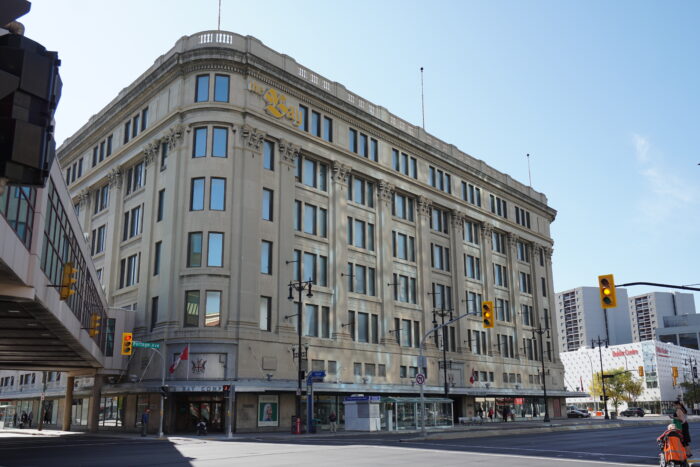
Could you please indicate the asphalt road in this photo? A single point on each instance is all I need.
(618, 446)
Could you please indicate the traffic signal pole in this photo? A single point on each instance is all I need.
(421, 364)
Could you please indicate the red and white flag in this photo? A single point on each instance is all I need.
(184, 355)
(471, 378)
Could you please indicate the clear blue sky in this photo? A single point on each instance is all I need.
(605, 96)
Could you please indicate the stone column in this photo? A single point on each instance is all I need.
(248, 167)
(68, 405)
(94, 408)
(458, 276)
(110, 274)
(514, 289)
(288, 153)
(385, 260)
(338, 255)
(423, 255)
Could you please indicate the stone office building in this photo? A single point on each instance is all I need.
(227, 170)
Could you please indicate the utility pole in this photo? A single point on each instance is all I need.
(600, 343)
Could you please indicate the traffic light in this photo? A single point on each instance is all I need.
(127, 343)
(674, 371)
(94, 324)
(227, 390)
(641, 371)
(487, 314)
(68, 281)
(606, 286)
(164, 390)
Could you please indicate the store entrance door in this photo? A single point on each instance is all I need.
(193, 409)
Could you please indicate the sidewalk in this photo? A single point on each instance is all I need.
(459, 431)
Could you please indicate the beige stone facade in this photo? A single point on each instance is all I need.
(386, 220)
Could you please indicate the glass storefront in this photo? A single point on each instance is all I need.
(406, 412)
(191, 409)
(112, 411)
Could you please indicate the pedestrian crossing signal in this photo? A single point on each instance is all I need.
(127, 343)
(487, 314)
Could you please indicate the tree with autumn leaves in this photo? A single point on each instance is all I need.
(620, 385)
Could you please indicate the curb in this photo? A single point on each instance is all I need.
(528, 430)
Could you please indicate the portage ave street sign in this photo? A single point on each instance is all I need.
(147, 345)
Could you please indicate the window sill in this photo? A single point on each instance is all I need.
(130, 240)
(134, 193)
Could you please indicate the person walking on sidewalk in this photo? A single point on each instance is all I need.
(491, 414)
(681, 415)
(332, 418)
(145, 417)
(506, 413)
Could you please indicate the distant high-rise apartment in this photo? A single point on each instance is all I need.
(648, 310)
(581, 319)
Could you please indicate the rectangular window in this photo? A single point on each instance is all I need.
(498, 242)
(351, 324)
(362, 148)
(373, 150)
(217, 194)
(135, 126)
(310, 221)
(129, 271)
(221, 88)
(266, 313)
(144, 118)
(311, 173)
(439, 220)
(543, 286)
(439, 179)
(523, 251)
(192, 308)
(127, 131)
(194, 250)
(202, 89)
(526, 313)
(199, 146)
(109, 146)
(404, 246)
(219, 147)
(325, 322)
(352, 140)
(499, 206)
(403, 207)
(328, 129)
(156, 259)
(265, 257)
(472, 267)
(267, 199)
(360, 191)
(215, 250)
(304, 111)
(161, 205)
(315, 123)
(269, 155)
(500, 275)
(212, 311)
(471, 194)
(440, 257)
(525, 282)
(154, 312)
(98, 240)
(522, 217)
(503, 310)
(101, 198)
(362, 327)
(197, 194)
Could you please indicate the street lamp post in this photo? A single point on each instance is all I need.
(600, 343)
(299, 286)
(539, 331)
(442, 313)
(692, 363)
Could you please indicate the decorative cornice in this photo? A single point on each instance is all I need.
(253, 137)
(424, 206)
(486, 231)
(84, 198)
(150, 151)
(288, 151)
(340, 172)
(173, 136)
(386, 192)
(114, 177)
(457, 220)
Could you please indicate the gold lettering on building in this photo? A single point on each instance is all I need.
(276, 103)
